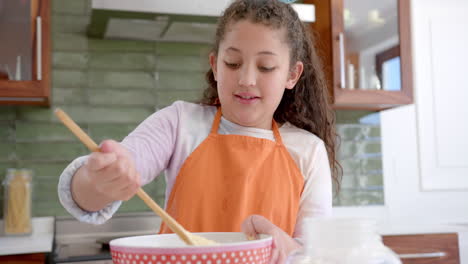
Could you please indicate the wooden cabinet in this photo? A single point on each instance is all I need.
(365, 47)
(425, 248)
(36, 258)
(25, 52)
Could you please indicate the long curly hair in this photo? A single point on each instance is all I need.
(307, 105)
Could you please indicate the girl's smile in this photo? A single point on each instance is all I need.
(247, 98)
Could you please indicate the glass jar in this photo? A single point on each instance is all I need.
(342, 241)
(17, 202)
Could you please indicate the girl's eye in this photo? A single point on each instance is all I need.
(232, 65)
(266, 69)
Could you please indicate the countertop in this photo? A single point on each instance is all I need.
(39, 241)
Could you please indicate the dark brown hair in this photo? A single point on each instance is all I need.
(307, 105)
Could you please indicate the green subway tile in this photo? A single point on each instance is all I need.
(135, 204)
(69, 78)
(99, 132)
(351, 166)
(169, 80)
(7, 112)
(69, 23)
(84, 114)
(350, 116)
(121, 97)
(128, 80)
(166, 98)
(27, 131)
(182, 63)
(7, 131)
(370, 180)
(4, 165)
(31, 113)
(69, 42)
(69, 96)
(99, 114)
(119, 114)
(353, 197)
(182, 49)
(47, 170)
(113, 45)
(124, 61)
(50, 150)
(352, 132)
(70, 60)
(45, 188)
(7, 151)
(374, 132)
(75, 7)
(49, 208)
(370, 147)
(347, 149)
(370, 165)
(158, 186)
(349, 180)
(89, 114)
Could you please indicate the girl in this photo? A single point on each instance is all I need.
(254, 156)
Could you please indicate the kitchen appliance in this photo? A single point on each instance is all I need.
(78, 242)
(166, 21)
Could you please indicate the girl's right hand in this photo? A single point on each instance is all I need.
(108, 176)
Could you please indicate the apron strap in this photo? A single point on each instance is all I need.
(276, 133)
(217, 119)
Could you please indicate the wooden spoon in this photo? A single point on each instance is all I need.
(185, 235)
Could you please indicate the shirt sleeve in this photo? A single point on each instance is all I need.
(152, 143)
(66, 199)
(151, 146)
(316, 199)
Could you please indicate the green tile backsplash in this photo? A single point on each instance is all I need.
(109, 86)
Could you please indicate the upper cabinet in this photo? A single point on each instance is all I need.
(25, 52)
(365, 47)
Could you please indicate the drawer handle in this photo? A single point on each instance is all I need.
(423, 255)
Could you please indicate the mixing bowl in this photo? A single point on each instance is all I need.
(169, 249)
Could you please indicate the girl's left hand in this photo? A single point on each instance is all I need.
(283, 244)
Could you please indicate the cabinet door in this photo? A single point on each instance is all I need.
(442, 93)
(366, 50)
(425, 249)
(25, 52)
(37, 258)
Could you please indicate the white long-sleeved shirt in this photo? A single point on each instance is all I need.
(165, 139)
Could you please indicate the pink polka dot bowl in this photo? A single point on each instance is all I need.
(233, 248)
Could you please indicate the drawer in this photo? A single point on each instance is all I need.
(36, 258)
(425, 248)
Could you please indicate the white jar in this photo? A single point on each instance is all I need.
(342, 241)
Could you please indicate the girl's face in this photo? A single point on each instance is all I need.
(252, 71)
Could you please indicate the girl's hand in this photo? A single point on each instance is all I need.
(283, 244)
(111, 172)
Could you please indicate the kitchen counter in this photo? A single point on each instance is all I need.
(39, 241)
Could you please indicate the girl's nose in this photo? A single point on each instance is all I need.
(248, 77)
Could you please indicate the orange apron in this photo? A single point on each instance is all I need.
(229, 177)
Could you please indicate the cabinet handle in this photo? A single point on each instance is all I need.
(342, 60)
(423, 255)
(39, 47)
